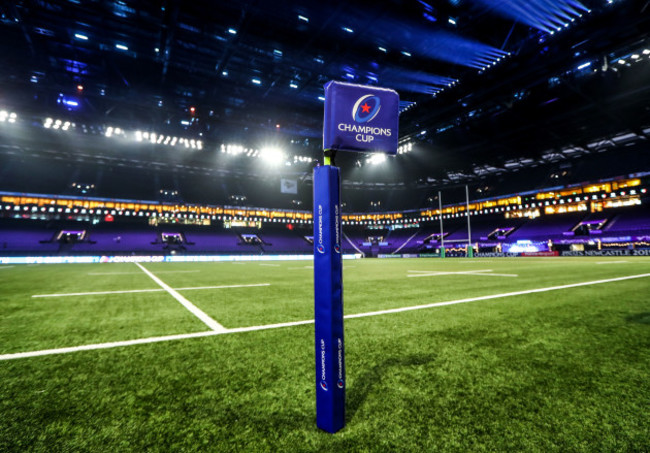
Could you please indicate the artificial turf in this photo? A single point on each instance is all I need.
(564, 370)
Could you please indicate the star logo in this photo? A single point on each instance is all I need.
(366, 108)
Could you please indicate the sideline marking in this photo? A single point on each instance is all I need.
(208, 321)
(250, 285)
(127, 273)
(482, 272)
(149, 290)
(611, 262)
(97, 293)
(5, 267)
(115, 344)
(271, 265)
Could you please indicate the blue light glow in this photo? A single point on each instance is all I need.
(545, 15)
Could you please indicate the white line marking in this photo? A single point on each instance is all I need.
(271, 265)
(268, 326)
(611, 262)
(483, 272)
(114, 344)
(497, 296)
(5, 267)
(177, 272)
(99, 293)
(224, 286)
(112, 273)
(89, 347)
(473, 261)
(127, 273)
(208, 321)
(95, 293)
(450, 272)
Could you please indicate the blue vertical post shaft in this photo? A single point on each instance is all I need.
(328, 300)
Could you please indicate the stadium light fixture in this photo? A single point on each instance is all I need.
(376, 159)
(121, 47)
(81, 37)
(271, 155)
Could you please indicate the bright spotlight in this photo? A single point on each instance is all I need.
(272, 155)
(376, 159)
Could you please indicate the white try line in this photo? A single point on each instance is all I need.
(611, 262)
(270, 265)
(90, 347)
(155, 290)
(5, 267)
(483, 272)
(127, 273)
(208, 321)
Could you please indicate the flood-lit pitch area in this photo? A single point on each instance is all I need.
(547, 354)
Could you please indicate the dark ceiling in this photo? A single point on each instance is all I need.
(486, 85)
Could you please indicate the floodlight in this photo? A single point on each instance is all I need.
(271, 155)
(376, 159)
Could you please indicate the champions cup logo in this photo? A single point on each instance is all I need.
(323, 374)
(339, 383)
(337, 248)
(366, 108)
(320, 247)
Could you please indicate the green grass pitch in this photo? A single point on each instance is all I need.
(561, 370)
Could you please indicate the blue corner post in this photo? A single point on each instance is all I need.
(328, 300)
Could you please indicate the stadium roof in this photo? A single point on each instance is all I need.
(486, 85)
